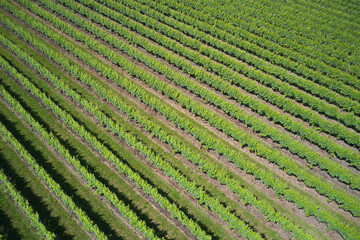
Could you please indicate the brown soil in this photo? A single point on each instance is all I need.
(148, 198)
(252, 67)
(320, 151)
(73, 216)
(188, 135)
(204, 124)
(219, 220)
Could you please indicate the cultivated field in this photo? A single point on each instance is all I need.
(182, 119)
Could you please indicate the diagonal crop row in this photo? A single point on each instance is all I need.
(303, 174)
(215, 227)
(214, 17)
(236, 157)
(237, 47)
(175, 212)
(326, 19)
(137, 145)
(177, 146)
(310, 62)
(333, 9)
(334, 169)
(7, 186)
(77, 98)
(264, 19)
(347, 10)
(324, 33)
(152, 21)
(285, 121)
(222, 148)
(310, 206)
(196, 192)
(329, 42)
(41, 173)
(325, 15)
(212, 226)
(101, 189)
(347, 118)
(257, 10)
(243, 17)
(145, 207)
(327, 22)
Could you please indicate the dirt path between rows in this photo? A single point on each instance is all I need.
(158, 172)
(74, 103)
(148, 198)
(245, 128)
(315, 148)
(294, 208)
(252, 67)
(73, 216)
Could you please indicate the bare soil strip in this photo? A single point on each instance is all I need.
(168, 101)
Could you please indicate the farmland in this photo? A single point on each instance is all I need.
(210, 119)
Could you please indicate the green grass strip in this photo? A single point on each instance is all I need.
(21, 201)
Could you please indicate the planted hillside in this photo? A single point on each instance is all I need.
(152, 119)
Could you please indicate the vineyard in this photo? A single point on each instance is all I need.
(183, 119)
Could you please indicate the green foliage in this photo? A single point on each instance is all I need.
(224, 87)
(311, 180)
(203, 32)
(99, 187)
(18, 198)
(260, 32)
(247, 197)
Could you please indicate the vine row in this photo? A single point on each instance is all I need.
(52, 140)
(233, 45)
(225, 88)
(223, 148)
(7, 186)
(256, 11)
(267, 210)
(196, 192)
(334, 169)
(307, 115)
(215, 16)
(255, 145)
(214, 26)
